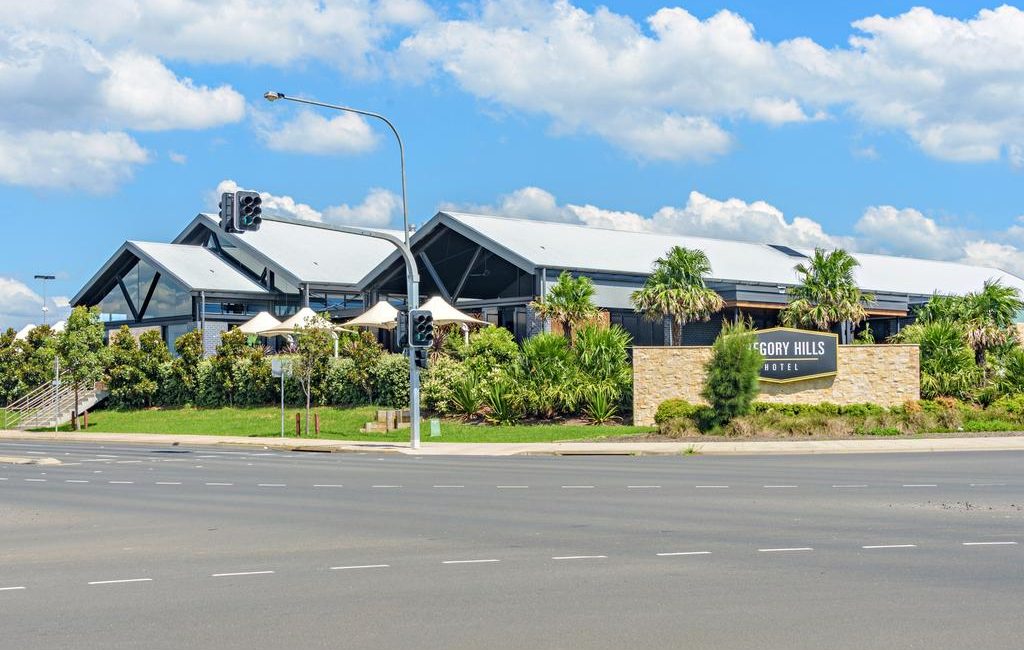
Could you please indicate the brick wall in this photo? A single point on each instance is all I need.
(888, 375)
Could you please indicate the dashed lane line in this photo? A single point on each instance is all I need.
(271, 485)
(779, 486)
(449, 486)
(851, 485)
(360, 566)
(921, 485)
(167, 483)
(987, 484)
(580, 557)
(328, 485)
(36, 480)
(73, 480)
(642, 487)
(469, 561)
(386, 486)
(785, 550)
(577, 487)
(117, 582)
(879, 546)
(219, 484)
(240, 573)
(12, 588)
(511, 487)
(990, 543)
(710, 486)
(121, 482)
(683, 553)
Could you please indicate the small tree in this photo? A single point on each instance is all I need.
(185, 368)
(570, 301)
(314, 345)
(80, 347)
(128, 384)
(827, 294)
(365, 351)
(36, 353)
(10, 362)
(676, 289)
(153, 356)
(731, 383)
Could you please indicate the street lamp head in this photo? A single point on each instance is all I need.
(273, 96)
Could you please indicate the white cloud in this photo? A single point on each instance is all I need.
(664, 90)
(378, 208)
(314, 133)
(20, 305)
(881, 229)
(95, 162)
(177, 158)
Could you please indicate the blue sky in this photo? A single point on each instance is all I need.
(749, 120)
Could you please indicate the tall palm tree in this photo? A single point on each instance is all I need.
(827, 294)
(987, 316)
(676, 288)
(570, 301)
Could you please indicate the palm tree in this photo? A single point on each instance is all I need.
(827, 294)
(570, 301)
(987, 316)
(676, 288)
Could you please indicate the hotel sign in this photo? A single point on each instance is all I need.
(793, 355)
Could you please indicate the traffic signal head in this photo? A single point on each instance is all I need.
(248, 211)
(422, 358)
(402, 330)
(421, 328)
(227, 211)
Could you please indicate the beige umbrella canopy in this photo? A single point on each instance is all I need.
(383, 315)
(23, 332)
(444, 313)
(304, 318)
(259, 323)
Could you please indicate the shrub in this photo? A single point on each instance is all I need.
(948, 365)
(547, 375)
(672, 409)
(129, 386)
(467, 398)
(365, 353)
(439, 383)
(504, 404)
(389, 379)
(599, 405)
(186, 368)
(861, 410)
(490, 350)
(341, 389)
(1011, 380)
(732, 373)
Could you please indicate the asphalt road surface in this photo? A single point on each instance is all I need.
(175, 547)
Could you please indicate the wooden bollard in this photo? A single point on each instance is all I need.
(298, 425)
(316, 424)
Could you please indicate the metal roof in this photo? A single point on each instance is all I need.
(546, 244)
(311, 254)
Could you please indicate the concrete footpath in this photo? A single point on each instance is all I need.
(711, 447)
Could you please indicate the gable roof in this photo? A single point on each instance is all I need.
(306, 254)
(533, 244)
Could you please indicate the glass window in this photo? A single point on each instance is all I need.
(113, 306)
(174, 331)
(169, 299)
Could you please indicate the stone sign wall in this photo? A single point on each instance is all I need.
(887, 375)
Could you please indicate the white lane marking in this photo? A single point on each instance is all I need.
(72, 480)
(205, 456)
(3, 478)
(684, 553)
(851, 485)
(784, 550)
(386, 486)
(468, 561)
(511, 487)
(920, 485)
(890, 546)
(117, 582)
(168, 483)
(987, 484)
(271, 485)
(220, 484)
(121, 482)
(780, 486)
(360, 566)
(36, 453)
(449, 486)
(579, 557)
(36, 480)
(711, 486)
(576, 487)
(11, 588)
(105, 456)
(990, 543)
(642, 487)
(121, 462)
(240, 573)
(328, 485)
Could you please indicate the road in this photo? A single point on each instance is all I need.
(173, 547)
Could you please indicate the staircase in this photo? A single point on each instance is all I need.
(45, 407)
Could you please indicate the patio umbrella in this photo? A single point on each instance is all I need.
(383, 316)
(305, 318)
(259, 323)
(23, 332)
(444, 313)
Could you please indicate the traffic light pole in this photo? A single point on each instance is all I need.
(412, 278)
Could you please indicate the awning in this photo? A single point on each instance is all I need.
(383, 315)
(259, 323)
(303, 319)
(23, 332)
(444, 313)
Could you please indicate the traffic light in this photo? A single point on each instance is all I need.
(248, 211)
(422, 357)
(402, 331)
(227, 211)
(421, 328)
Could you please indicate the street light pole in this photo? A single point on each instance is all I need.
(44, 278)
(412, 278)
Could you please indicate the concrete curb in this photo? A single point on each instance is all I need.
(21, 460)
(716, 447)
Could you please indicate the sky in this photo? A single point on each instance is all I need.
(874, 126)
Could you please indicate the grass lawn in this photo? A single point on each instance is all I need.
(335, 423)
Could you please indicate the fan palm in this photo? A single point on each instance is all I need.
(827, 293)
(987, 316)
(676, 289)
(570, 301)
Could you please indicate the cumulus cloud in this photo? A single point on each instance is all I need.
(378, 208)
(310, 132)
(20, 305)
(95, 162)
(881, 229)
(663, 90)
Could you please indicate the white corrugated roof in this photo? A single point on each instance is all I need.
(315, 255)
(572, 246)
(198, 268)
